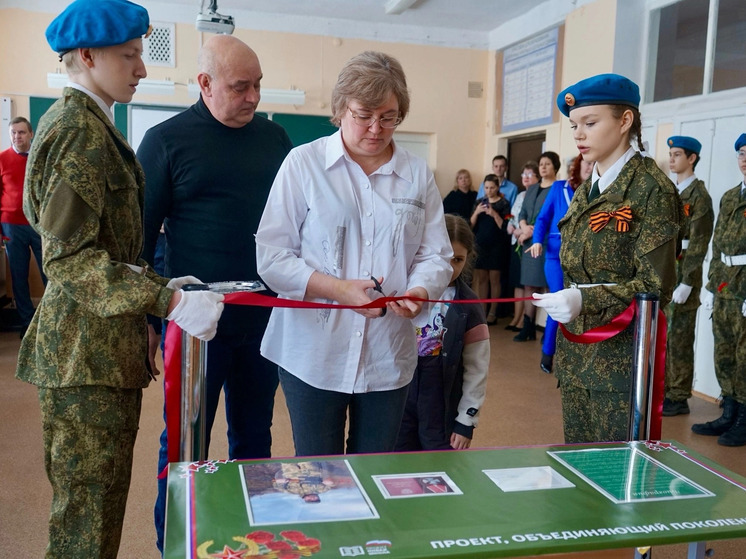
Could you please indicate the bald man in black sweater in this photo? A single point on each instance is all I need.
(208, 172)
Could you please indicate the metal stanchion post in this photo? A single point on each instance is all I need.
(643, 365)
(193, 431)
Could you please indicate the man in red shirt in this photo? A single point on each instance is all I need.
(18, 234)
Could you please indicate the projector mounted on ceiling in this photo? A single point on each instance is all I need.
(210, 21)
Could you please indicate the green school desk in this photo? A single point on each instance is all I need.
(507, 502)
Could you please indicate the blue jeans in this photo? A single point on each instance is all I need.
(22, 239)
(235, 366)
(318, 418)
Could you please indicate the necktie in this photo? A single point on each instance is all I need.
(594, 193)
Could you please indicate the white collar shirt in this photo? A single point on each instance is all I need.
(325, 214)
(612, 172)
(100, 102)
(681, 186)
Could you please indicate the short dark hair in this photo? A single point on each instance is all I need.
(688, 154)
(19, 119)
(500, 157)
(492, 178)
(553, 157)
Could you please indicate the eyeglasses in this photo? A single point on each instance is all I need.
(386, 121)
(527, 175)
(740, 154)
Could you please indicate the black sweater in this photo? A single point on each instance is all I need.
(208, 184)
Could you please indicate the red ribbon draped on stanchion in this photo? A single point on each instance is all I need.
(614, 327)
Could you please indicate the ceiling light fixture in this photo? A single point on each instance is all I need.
(395, 7)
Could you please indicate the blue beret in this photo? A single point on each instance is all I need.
(97, 23)
(604, 89)
(741, 141)
(684, 142)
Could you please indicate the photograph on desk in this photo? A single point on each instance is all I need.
(309, 491)
(403, 486)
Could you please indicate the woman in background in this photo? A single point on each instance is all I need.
(490, 225)
(546, 232)
(529, 177)
(460, 200)
(532, 269)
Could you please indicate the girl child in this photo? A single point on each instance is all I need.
(448, 386)
(461, 199)
(619, 238)
(490, 224)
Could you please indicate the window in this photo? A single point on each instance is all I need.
(730, 55)
(685, 60)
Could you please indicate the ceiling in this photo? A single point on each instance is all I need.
(465, 23)
(477, 24)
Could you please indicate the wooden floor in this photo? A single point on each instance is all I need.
(522, 408)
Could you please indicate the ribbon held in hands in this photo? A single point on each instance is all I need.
(623, 217)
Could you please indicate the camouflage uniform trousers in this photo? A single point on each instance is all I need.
(594, 415)
(680, 350)
(89, 436)
(729, 331)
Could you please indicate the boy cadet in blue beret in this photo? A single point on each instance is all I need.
(619, 238)
(86, 347)
(726, 298)
(683, 154)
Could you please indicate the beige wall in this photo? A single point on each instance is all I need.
(438, 79)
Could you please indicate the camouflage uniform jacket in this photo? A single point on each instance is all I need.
(641, 259)
(697, 229)
(729, 239)
(84, 195)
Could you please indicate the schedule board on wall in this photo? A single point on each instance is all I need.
(528, 82)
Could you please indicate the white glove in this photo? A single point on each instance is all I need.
(563, 306)
(178, 283)
(681, 293)
(708, 299)
(198, 312)
(743, 309)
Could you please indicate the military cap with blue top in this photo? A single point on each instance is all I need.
(741, 141)
(685, 142)
(604, 89)
(97, 23)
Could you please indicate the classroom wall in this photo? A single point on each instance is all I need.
(437, 77)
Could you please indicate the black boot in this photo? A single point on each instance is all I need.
(721, 424)
(546, 363)
(736, 435)
(528, 332)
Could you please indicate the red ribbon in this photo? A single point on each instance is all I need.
(172, 349)
(614, 327)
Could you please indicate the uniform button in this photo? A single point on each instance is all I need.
(369, 214)
(366, 274)
(358, 333)
(367, 243)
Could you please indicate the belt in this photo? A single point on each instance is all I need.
(586, 285)
(737, 260)
(685, 244)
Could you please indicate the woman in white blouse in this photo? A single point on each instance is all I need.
(342, 210)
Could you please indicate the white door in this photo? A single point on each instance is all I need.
(719, 170)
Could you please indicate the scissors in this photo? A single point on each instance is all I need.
(380, 290)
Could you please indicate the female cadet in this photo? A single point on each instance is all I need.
(619, 239)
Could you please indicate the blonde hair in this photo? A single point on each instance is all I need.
(370, 77)
(458, 174)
